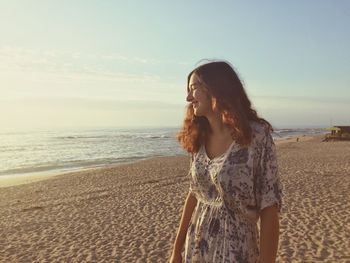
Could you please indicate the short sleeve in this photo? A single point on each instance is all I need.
(268, 186)
(191, 187)
(189, 175)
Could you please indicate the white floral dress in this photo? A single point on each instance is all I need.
(231, 190)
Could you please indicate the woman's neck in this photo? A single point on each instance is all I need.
(217, 127)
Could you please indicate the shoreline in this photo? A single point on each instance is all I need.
(20, 179)
(302, 138)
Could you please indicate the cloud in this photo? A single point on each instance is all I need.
(90, 104)
(28, 73)
(304, 99)
(303, 110)
(80, 64)
(30, 113)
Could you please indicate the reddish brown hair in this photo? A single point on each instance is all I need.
(232, 103)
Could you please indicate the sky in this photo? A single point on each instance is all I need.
(124, 63)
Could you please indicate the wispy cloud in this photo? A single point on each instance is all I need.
(78, 63)
(92, 104)
(305, 99)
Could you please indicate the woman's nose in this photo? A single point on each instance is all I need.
(189, 97)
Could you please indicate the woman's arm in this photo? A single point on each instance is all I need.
(189, 206)
(269, 234)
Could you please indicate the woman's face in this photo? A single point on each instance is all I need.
(199, 97)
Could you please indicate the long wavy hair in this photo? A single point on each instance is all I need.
(229, 99)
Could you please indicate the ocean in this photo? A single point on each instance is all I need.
(23, 153)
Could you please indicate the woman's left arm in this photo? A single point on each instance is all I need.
(269, 234)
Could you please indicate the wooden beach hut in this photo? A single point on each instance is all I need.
(338, 133)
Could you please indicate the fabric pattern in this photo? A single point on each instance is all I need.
(231, 190)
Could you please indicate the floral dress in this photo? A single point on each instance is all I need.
(231, 190)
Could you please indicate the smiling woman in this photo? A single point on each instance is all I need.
(215, 87)
(233, 173)
(198, 95)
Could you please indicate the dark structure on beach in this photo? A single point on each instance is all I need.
(338, 133)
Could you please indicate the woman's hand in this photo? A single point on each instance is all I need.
(190, 204)
(175, 257)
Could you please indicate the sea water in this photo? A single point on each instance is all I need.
(48, 151)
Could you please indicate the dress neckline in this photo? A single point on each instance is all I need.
(221, 155)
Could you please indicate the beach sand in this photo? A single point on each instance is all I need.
(130, 213)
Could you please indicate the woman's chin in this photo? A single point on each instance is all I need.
(197, 113)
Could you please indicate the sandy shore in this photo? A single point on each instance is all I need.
(130, 213)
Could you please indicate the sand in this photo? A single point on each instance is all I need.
(130, 213)
(11, 180)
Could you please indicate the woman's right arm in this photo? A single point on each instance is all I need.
(189, 206)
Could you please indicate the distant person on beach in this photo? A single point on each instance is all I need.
(233, 174)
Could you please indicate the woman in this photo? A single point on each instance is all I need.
(233, 174)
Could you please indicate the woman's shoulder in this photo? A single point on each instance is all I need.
(260, 131)
(259, 127)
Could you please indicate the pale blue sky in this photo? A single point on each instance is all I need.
(124, 63)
